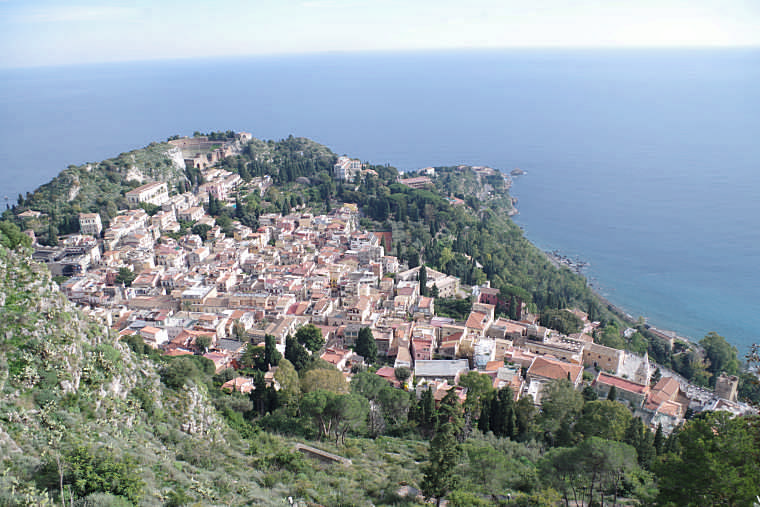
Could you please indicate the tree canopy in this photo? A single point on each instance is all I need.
(366, 345)
(310, 336)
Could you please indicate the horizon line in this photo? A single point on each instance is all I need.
(348, 52)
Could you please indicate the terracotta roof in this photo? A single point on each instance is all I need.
(241, 384)
(621, 383)
(494, 365)
(554, 369)
(477, 320)
(668, 386)
(671, 408)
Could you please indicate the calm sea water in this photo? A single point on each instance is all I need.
(644, 163)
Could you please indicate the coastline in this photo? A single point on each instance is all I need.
(578, 267)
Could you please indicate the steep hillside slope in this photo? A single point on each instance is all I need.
(78, 408)
(82, 414)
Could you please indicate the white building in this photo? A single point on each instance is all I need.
(346, 168)
(89, 223)
(153, 193)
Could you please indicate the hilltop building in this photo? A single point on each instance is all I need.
(153, 193)
(345, 169)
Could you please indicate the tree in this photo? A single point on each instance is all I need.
(525, 414)
(588, 471)
(366, 345)
(722, 356)
(610, 337)
(90, 470)
(254, 357)
(203, 343)
(605, 419)
(426, 413)
(272, 356)
(640, 438)
(503, 420)
(369, 385)
(589, 394)
(439, 477)
(395, 405)
(719, 459)
(402, 373)
(296, 353)
(201, 230)
(52, 235)
(324, 379)
(335, 414)
(126, 276)
(11, 236)
(290, 385)
(178, 371)
(659, 440)
(310, 336)
(559, 401)
(479, 388)
(562, 320)
(423, 281)
(612, 393)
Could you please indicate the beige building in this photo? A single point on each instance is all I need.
(604, 358)
(726, 386)
(89, 223)
(153, 193)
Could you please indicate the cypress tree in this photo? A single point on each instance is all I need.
(423, 281)
(659, 440)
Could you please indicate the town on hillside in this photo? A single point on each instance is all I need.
(214, 294)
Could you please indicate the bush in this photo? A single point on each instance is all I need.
(178, 371)
(91, 471)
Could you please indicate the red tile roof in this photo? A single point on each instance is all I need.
(621, 383)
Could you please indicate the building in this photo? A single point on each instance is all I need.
(448, 370)
(191, 214)
(345, 169)
(633, 393)
(545, 369)
(153, 193)
(89, 223)
(417, 183)
(726, 387)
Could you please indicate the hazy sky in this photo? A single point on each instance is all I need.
(53, 32)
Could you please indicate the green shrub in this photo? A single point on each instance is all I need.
(178, 371)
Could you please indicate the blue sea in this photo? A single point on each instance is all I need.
(644, 163)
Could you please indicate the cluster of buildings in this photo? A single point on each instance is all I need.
(201, 152)
(214, 297)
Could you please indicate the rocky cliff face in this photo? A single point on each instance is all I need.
(67, 384)
(175, 155)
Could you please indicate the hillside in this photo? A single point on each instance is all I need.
(100, 187)
(74, 401)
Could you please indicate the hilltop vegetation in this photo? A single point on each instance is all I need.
(100, 187)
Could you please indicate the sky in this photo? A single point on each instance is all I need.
(57, 32)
